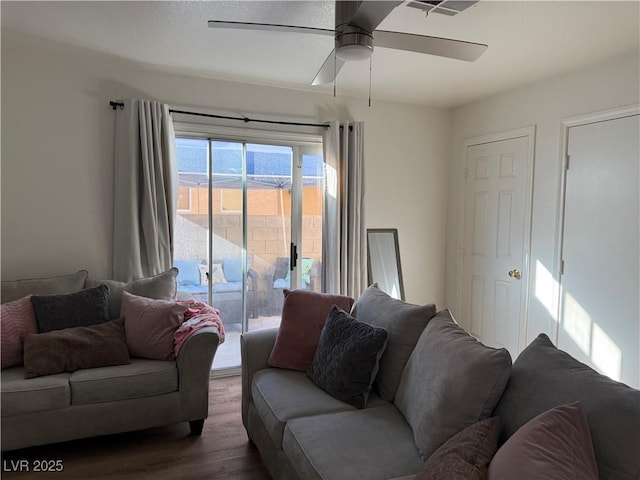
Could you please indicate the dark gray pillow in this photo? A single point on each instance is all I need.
(544, 377)
(81, 309)
(404, 322)
(451, 381)
(160, 287)
(346, 360)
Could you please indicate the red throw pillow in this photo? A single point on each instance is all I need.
(555, 445)
(17, 319)
(150, 324)
(303, 316)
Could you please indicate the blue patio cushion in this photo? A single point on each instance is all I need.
(232, 267)
(282, 283)
(188, 271)
(227, 287)
(194, 289)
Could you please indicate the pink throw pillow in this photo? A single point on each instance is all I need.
(17, 320)
(555, 445)
(149, 325)
(303, 315)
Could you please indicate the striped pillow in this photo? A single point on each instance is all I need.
(17, 319)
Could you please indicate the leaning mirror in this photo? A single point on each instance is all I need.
(383, 261)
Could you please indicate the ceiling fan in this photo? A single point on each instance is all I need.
(356, 35)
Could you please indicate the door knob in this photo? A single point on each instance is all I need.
(515, 273)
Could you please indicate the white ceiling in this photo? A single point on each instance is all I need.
(528, 41)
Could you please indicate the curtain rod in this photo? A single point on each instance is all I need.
(115, 105)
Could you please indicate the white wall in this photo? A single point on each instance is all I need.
(601, 87)
(57, 157)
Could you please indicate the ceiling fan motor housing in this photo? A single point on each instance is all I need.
(353, 43)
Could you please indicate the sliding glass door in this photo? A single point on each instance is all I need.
(249, 226)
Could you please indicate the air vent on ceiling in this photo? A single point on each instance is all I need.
(446, 7)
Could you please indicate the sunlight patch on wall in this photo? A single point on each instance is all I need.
(577, 323)
(606, 355)
(546, 290)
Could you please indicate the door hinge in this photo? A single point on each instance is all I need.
(566, 161)
(561, 267)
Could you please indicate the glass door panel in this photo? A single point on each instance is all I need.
(227, 261)
(310, 266)
(268, 230)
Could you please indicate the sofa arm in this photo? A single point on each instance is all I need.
(255, 348)
(194, 371)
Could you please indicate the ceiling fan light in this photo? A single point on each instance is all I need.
(351, 53)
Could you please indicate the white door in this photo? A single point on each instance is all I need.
(600, 310)
(496, 240)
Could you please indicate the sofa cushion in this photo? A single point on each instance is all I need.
(227, 287)
(14, 289)
(161, 286)
(466, 455)
(150, 324)
(346, 361)
(451, 381)
(404, 322)
(342, 445)
(188, 271)
(544, 377)
(302, 398)
(17, 319)
(21, 396)
(232, 267)
(303, 315)
(555, 445)
(71, 349)
(141, 378)
(80, 309)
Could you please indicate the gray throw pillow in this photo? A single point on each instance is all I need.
(14, 289)
(81, 309)
(404, 322)
(544, 377)
(451, 381)
(160, 287)
(346, 361)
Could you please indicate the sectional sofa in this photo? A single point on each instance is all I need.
(433, 384)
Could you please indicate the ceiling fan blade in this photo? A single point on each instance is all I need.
(329, 70)
(442, 47)
(270, 27)
(369, 14)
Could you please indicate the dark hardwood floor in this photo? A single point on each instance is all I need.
(221, 452)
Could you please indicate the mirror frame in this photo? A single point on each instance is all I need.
(394, 232)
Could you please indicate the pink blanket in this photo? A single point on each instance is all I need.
(197, 316)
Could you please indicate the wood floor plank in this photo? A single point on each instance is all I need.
(221, 452)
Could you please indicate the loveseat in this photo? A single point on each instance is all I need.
(433, 388)
(137, 394)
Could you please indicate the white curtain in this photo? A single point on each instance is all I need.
(343, 251)
(145, 193)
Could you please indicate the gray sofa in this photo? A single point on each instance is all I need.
(302, 432)
(106, 400)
